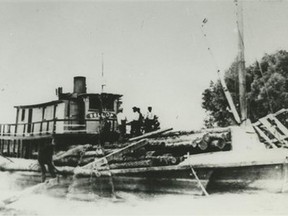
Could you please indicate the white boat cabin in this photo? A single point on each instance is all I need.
(72, 115)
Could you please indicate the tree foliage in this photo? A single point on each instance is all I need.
(266, 85)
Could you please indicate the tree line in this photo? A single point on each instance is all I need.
(266, 86)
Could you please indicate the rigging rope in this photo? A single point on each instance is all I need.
(208, 44)
(221, 78)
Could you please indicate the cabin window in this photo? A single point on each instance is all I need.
(94, 102)
(23, 115)
(108, 103)
(43, 113)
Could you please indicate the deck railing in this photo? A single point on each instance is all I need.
(54, 126)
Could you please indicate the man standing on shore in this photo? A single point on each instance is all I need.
(45, 157)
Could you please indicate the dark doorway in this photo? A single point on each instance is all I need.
(29, 121)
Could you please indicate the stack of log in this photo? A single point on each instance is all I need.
(145, 159)
(138, 158)
(193, 142)
(80, 155)
(165, 150)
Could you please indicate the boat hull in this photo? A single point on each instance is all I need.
(268, 177)
(173, 179)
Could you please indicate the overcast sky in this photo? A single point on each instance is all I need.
(154, 52)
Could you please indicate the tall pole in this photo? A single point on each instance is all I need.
(103, 82)
(241, 62)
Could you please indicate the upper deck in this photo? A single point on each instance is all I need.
(72, 113)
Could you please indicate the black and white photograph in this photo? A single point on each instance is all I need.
(125, 107)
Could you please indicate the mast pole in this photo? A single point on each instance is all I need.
(241, 62)
(103, 83)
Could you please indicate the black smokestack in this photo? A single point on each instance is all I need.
(79, 85)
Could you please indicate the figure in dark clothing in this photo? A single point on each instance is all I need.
(135, 122)
(105, 126)
(45, 155)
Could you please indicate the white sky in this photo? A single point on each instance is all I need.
(154, 52)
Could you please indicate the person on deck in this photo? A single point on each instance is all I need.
(121, 120)
(149, 120)
(135, 122)
(104, 132)
(45, 155)
(140, 123)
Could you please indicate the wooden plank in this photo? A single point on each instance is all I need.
(272, 130)
(25, 138)
(263, 135)
(280, 111)
(280, 126)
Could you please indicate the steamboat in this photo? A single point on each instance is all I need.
(242, 157)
